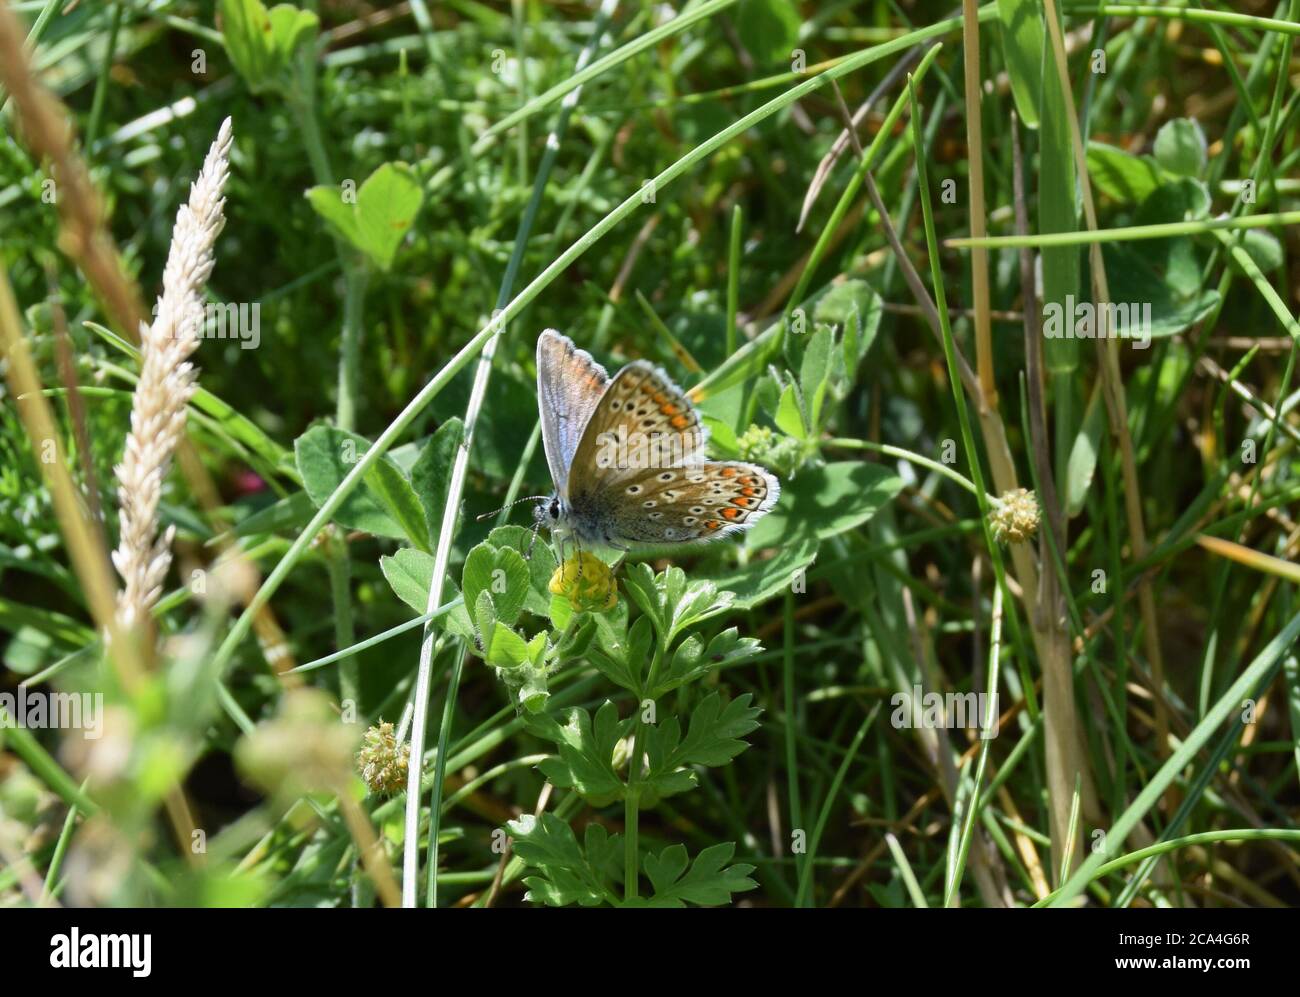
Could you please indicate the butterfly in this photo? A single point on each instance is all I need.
(627, 457)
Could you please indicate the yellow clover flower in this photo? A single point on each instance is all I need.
(586, 581)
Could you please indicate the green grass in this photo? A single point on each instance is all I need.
(637, 183)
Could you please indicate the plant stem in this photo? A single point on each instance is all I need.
(439, 773)
(355, 279)
(979, 256)
(912, 458)
(631, 816)
(733, 279)
(632, 799)
(339, 567)
(791, 751)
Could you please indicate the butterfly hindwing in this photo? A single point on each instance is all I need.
(693, 502)
(570, 385)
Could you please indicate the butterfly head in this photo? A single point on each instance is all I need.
(548, 512)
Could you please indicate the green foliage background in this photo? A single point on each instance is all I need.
(873, 574)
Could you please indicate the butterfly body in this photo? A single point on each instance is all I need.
(627, 457)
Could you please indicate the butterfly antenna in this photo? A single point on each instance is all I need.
(511, 505)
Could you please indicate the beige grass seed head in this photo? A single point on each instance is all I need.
(167, 382)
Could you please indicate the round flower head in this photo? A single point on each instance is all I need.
(383, 764)
(586, 581)
(1015, 519)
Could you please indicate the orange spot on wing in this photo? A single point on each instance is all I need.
(728, 472)
(747, 491)
(742, 502)
(669, 409)
(712, 524)
(730, 513)
(680, 421)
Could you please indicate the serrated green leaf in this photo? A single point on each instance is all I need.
(671, 602)
(262, 44)
(789, 413)
(560, 612)
(503, 647)
(625, 662)
(825, 501)
(713, 737)
(540, 560)
(410, 572)
(501, 573)
(855, 307)
(385, 505)
(385, 208)
(708, 882)
(585, 759)
(814, 372)
(692, 660)
(757, 581)
(431, 472)
(640, 583)
(548, 845)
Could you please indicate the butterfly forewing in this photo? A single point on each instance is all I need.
(570, 385)
(643, 421)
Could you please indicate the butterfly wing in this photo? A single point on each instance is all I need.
(570, 385)
(643, 420)
(694, 502)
